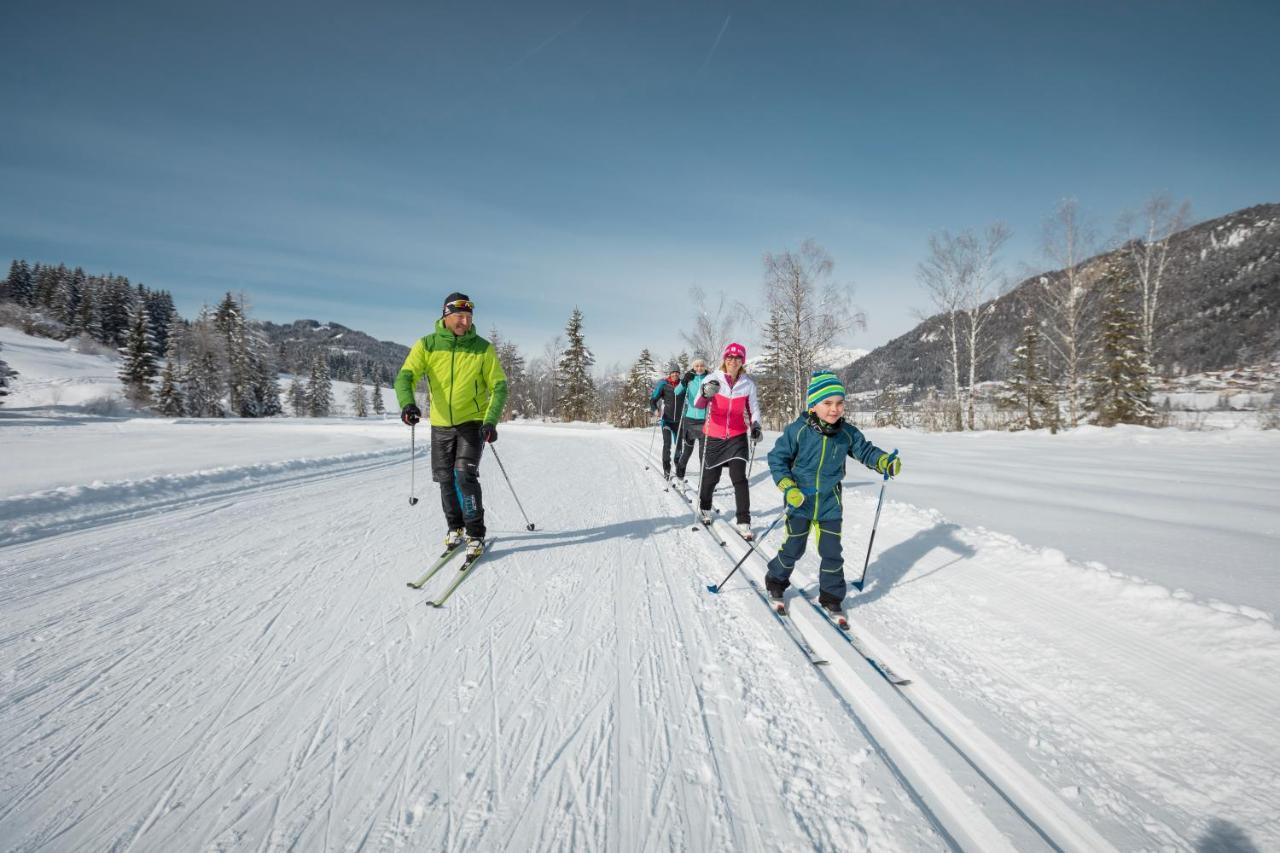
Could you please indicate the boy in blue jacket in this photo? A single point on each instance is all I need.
(807, 463)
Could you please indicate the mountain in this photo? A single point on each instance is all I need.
(349, 352)
(1219, 308)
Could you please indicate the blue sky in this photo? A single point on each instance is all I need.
(356, 162)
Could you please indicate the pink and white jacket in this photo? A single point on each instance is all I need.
(732, 409)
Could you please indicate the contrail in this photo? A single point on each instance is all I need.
(547, 41)
(716, 44)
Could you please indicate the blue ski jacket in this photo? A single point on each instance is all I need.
(692, 412)
(816, 461)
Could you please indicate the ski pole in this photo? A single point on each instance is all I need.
(528, 525)
(875, 523)
(413, 464)
(702, 472)
(716, 587)
(654, 433)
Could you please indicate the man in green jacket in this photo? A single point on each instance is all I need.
(468, 390)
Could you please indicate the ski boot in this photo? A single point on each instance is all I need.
(704, 515)
(453, 539)
(836, 614)
(777, 599)
(744, 530)
(475, 547)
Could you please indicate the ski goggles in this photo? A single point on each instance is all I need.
(459, 305)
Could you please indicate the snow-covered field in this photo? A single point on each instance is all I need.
(207, 643)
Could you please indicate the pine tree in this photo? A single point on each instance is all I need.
(298, 398)
(632, 409)
(230, 321)
(87, 321)
(161, 310)
(773, 380)
(1120, 385)
(1028, 394)
(319, 389)
(378, 406)
(206, 368)
(359, 399)
(115, 304)
(139, 365)
(5, 373)
(576, 400)
(169, 400)
(519, 390)
(20, 285)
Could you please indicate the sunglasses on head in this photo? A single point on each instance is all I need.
(461, 305)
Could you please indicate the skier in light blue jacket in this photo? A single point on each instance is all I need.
(691, 427)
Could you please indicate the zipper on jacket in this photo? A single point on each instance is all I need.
(817, 480)
(453, 358)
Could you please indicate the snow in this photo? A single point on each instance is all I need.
(208, 644)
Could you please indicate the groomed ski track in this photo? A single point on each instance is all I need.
(246, 670)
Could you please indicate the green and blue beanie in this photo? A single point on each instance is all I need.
(823, 384)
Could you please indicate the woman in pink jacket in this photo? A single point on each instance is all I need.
(733, 411)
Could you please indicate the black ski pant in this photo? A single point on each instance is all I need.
(668, 439)
(690, 433)
(728, 453)
(455, 465)
(831, 583)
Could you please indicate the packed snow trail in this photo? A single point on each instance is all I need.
(1151, 713)
(252, 673)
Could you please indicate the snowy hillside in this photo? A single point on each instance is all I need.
(53, 377)
(208, 644)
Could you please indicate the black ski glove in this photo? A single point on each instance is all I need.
(710, 388)
(756, 432)
(688, 377)
(411, 414)
(489, 433)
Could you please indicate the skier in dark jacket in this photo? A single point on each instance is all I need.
(666, 400)
(807, 463)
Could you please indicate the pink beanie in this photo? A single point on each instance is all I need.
(735, 349)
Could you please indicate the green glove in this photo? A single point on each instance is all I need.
(791, 493)
(882, 464)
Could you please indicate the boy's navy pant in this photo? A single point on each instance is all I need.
(830, 570)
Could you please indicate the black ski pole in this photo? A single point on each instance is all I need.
(528, 525)
(413, 464)
(874, 524)
(716, 587)
(654, 432)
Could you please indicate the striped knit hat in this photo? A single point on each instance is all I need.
(823, 384)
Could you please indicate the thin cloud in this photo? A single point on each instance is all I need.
(706, 62)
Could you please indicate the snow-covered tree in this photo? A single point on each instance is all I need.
(1028, 392)
(230, 321)
(577, 393)
(139, 365)
(632, 405)
(520, 401)
(169, 400)
(298, 398)
(204, 377)
(20, 285)
(319, 388)
(376, 393)
(1120, 385)
(6, 372)
(359, 399)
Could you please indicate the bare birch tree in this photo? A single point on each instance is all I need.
(712, 327)
(984, 280)
(1146, 236)
(946, 274)
(1066, 298)
(812, 313)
